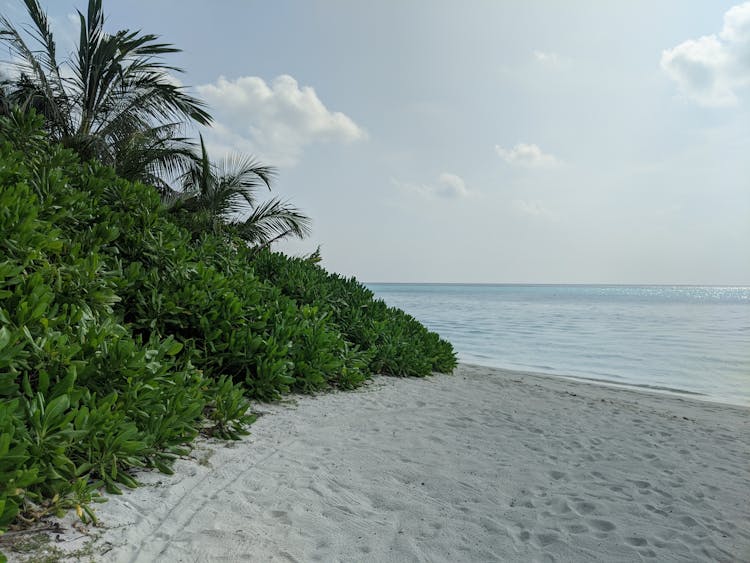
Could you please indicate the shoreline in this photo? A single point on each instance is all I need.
(486, 464)
(638, 387)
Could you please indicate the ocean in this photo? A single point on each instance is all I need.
(680, 339)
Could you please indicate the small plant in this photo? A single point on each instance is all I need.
(228, 411)
(15, 474)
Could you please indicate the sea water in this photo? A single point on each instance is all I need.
(694, 340)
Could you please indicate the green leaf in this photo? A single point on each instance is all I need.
(4, 337)
(174, 348)
(56, 409)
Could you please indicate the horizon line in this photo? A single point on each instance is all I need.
(573, 284)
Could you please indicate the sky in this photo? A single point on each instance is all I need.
(482, 141)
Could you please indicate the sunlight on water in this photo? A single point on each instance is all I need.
(695, 339)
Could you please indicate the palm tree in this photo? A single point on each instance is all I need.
(223, 197)
(153, 156)
(112, 99)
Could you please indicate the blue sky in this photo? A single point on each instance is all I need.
(535, 141)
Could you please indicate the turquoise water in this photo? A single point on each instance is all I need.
(687, 339)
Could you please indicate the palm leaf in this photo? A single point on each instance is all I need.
(147, 156)
(115, 96)
(30, 66)
(273, 220)
(226, 195)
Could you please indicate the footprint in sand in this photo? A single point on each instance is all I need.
(641, 484)
(577, 529)
(602, 525)
(282, 516)
(636, 542)
(585, 507)
(557, 475)
(688, 521)
(546, 539)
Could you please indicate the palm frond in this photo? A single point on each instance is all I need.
(43, 34)
(117, 90)
(32, 67)
(273, 220)
(152, 155)
(227, 193)
(246, 171)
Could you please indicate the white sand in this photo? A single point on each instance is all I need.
(484, 465)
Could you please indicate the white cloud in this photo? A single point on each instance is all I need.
(526, 154)
(712, 69)
(275, 121)
(448, 186)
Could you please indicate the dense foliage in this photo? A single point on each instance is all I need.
(82, 397)
(113, 98)
(133, 319)
(397, 343)
(122, 335)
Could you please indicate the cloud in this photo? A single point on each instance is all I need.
(447, 186)
(275, 121)
(712, 69)
(526, 154)
(450, 185)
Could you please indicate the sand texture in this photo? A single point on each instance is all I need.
(484, 465)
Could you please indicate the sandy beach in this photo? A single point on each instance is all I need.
(483, 465)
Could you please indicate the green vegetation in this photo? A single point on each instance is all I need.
(112, 99)
(396, 343)
(213, 197)
(130, 322)
(122, 335)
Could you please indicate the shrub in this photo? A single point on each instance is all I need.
(83, 398)
(395, 342)
(122, 336)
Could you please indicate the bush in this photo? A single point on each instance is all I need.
(83, 398)
(395, 342)
(122, 336)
